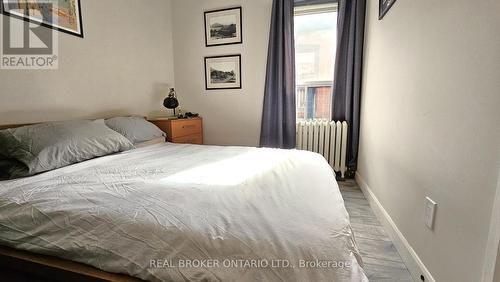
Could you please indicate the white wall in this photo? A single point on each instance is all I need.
(122, 66)
(231, 117)
(430, 125)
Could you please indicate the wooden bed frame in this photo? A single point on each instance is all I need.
(17, 265)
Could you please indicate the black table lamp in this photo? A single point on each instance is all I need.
(171, 101)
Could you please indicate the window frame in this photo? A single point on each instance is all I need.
(312, 10)
(315, 9)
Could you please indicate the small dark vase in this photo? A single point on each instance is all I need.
(171, 101)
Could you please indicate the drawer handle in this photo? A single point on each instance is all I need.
(189, 126)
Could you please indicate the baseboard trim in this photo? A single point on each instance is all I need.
(491, 256)
(409, 256)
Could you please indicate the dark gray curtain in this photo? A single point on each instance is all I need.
(348, 70)
(278, 116)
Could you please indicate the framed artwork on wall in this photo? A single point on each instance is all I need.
(223, 27)
(223, 72)
(64, 16)
(384, 6)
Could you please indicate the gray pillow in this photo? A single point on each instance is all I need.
(48, 146)
(136, 129)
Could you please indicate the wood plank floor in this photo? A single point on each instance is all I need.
(382, 262)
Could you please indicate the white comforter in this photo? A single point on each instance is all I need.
(189, 213)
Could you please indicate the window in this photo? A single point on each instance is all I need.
(315, 46)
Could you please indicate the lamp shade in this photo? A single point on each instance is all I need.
(170, 103)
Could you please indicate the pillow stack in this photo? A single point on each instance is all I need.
(33, 149)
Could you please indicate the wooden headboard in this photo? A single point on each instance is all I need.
(7, 126)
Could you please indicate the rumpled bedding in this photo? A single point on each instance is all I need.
(174, 212)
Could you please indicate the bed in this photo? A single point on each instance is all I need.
(174, 212)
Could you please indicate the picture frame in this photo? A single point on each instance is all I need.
(223, 72)
(384, 7)
(66, 18)
(223, 27)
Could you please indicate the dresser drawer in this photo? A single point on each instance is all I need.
(186, 127)
(190, 139)
(182, 130)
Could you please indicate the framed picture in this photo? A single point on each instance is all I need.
(223, 27)
(384, 6)
(223, 72)
(64, 16)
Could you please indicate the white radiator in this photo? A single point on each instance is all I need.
(328, 138)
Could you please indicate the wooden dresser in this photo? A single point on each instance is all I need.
(187, 131)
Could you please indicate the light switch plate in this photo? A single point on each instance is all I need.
(429, 212)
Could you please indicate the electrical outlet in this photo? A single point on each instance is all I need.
(429, 212)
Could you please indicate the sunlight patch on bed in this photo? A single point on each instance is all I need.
(231, 171)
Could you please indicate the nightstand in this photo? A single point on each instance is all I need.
(187, 131)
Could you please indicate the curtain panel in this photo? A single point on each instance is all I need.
(278, 116)
(348, 71)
